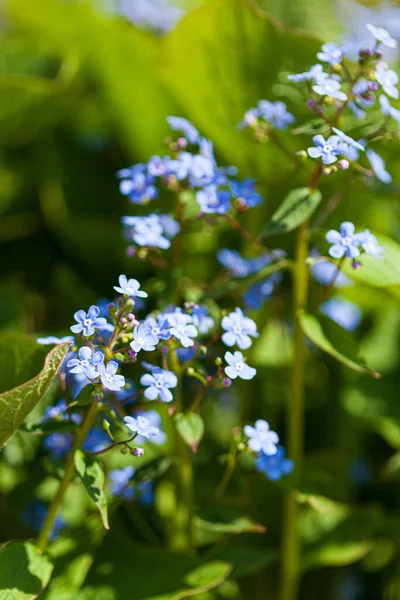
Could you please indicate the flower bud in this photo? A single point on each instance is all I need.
(131, 317)
(355, 265)
(372, 86)
(164, 350)
(241, 446)
(190, 371)
(123, 321)
(124, 450)
(137, 452)
(218, 361)
(302, 154)
(343, 164)
(203, 349)
(326, 171)
(130, 251)
(182, 143)
(143, 252)
(132, 354)
(226, 382)
(311, 104)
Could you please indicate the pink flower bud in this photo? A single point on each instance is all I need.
(343, 164)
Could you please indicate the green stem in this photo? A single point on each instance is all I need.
(295, 423)
(45, 533)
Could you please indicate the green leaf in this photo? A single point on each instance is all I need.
(24, 573)
(245, 560)
(234, 526)
(376, 272)
(21, 358)
(16, 404)
(297, 207)
(203, 578)
(191, 428)
(92, 476)
(51, 426)
(334, 340)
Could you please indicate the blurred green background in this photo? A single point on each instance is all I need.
(84, 91)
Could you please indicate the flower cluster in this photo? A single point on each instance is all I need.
(348, 244)
(270, 456)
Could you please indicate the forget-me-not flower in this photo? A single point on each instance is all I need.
(370, 244)
(151, 230)
(201, 319)
(343, 312)
(137, 184)
(237, 367)
(184, 126)
(96, 440)
(56, 411)
(275, 466)
(213, 201)
(388, 79)
(378, 166)
(109, 378)
(348, 140)
(87, 362)
(382, 36)
(159, 327)
(239, 266)
(119, 480)
(261, 438)
(182, 328)
(331, 53)
(129, 287)
(144, 339)
(35, 515)
(245, 192)
(275, 113)
(313, 74)
(141, 425)
(327, 150)
(158, 384)
(52, 339)
(58, 444)
(345, 243)
(88, 322)
(154, 420)
(238, 329)
(327, 86)
(388, 110)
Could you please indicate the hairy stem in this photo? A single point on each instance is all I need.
(45, 533)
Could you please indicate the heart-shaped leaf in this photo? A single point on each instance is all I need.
(92, 476)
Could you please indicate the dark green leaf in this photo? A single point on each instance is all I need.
(334, 340)
(16, 404)
(235, 526)
(297, 207)
(191, 428)
(92, 476)
(21, 358)
(24, 573)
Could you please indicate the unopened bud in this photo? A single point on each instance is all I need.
(355, 265)
(190, 371)
(123, 321)
(226, 382)
(182, 142)
(130, 251)
(372, 86)
(311, 103)
(143, 252)
(326, 171)
(218, 361)
(137, 452)
(241, 446)
(132, 354)
(124, 450)
(343, 164)
(164, 350)
(131, 317)
(302, 154)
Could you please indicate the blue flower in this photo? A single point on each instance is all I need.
(55, 412)
(108, 376)
(96, 440)
(345, 243)
(245, 193)
(120, 478)
(88, 322)
(313, 74)
(275, 113)
(35, 515)
(325, 272)
(58, 444)
(238, 330)
(183, 125)
(237, 366)
(382, 36)
(129, 287)
(327, 150)
(213, 201)
(370, 245)
(159, 166)
(154, 420)
(274, 466)
(201, 171)
(52, 339)
(142, 426)
(378, 166)
(331, 53)
(137, 184)
(241, 267)
(158, 384)
(159, 327)
(182, 328)
(261, 438)
(344, 313)
(327, 86)
(388, 110)
(201, 319)
(146, 494)
(144, 339)
(388, 79)
(348, 140)
(261, 291)
(152, 230)
(87, 363)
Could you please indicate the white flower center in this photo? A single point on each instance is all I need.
(84, 362)
(87, 322)
(346, 241)
(159, 384)
(239, 366)
(140, 340)
(327, 148)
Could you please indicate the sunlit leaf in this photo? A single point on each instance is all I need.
(24, 573)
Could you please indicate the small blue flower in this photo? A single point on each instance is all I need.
(388, 110)
(370, 245)
(182, 328)
(152, 230)
(108, 376)
(325, 272)
(58, 444)
(213, 201)
(237, 366)
(58, 411)
(144, 339)
(261, 438)
(159, 327)
(327, 150)
(52, 339)
(238, 330)
(261, 291)
(378, 166)
(245, 193)
(327, 86)
(155, 421)
(344, 313)
(275, 113)
(239, 266)
(87, 363)
(201, 319)
(137, 184)
(388, 79)
(183, 125)
(158, 384)
(129, 287)
(331, 53)
(35, 514)
(142, 426)
(88, 322)
(382, 36)
(345, 243)
(313, 74)
(119, 479)
(146, 494)
(96, 440)
(348, 140)
(274, 466)
(202, 171)
(159, 166)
